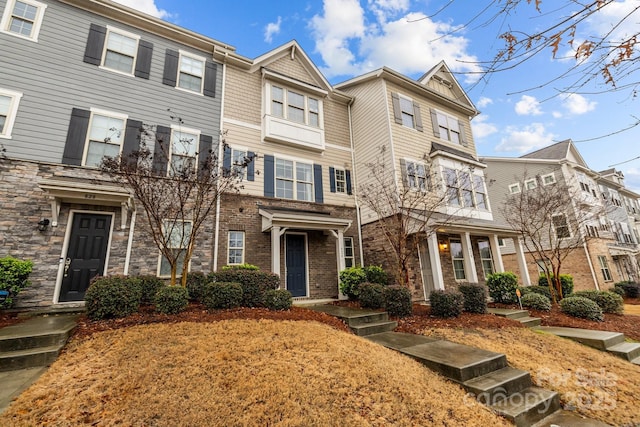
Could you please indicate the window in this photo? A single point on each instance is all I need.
(451, 181)
(548, 179)
(481, 195)
(530, 184)
(604, 267)
(23, 18)
(120, 51)
(485, 257)
(238, 158)
(407, 112)
(417, 175)
(9, 101)
(191, 72)
(561, 226)
(457, 257)
(349, 255)
(514, 188)
(341, 181)
(299, 108)
(586, 184)
(236, 248)
(105, 136)
(592, 231)
(501, 242)
(294, 180)
(177, 234)
(449, 128)
(465, 189)
(183, 150)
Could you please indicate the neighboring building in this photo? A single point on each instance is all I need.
(608, 240)
(424, 128)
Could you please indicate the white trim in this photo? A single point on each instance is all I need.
(181, 129)
(449, 116)
(242, 124)
(529, 181)
(515, 187)
(37, 22)
(104, 113)
(337, 147)
(244, 244)
(288, 81)
(112, 29)
(543, 177)
(335, 179)
(306, 261)
(65, 249)
(12, 113)
(353, 251)
(183, 53)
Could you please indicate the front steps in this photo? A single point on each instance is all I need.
(521, 316)
(361, 322)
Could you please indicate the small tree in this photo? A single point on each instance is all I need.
(177, 186)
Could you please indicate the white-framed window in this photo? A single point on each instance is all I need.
(449, 128)
(9, 101)
(105, 136)
(457, 259)
(176, 234)
(514, 188)
(586, 184)
(501, 242)
(349, 253)
(183, 153)
(464, 189)
(238, 156)
(561, 226)
(407, 112)
(548, 179)
(236, 248)
(23, 18)
(341, 180)
(294, 180)
(481, 192)
(530, 184)
(604, 267)
(451, 181)
(295, 106)
(485, 257)
(417, 175)
(120, 50)
(191, 72)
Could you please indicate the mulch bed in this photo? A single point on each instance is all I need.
(8, 319)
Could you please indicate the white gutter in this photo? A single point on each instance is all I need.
(354, 185)
(127, 258)
(216, 238)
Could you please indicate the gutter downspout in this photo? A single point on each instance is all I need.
(127, 258)
(593, 273)
(355, 184)
(216, 238)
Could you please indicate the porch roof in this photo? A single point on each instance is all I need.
(443, 224)
(303, 220)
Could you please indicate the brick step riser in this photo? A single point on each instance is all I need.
(464, 374)
(364, 330)
(14, 363)
(24, 343)
(371, 318)
(627, 355)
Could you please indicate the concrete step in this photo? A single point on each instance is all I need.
(529, 321)
(29, 358)
(568, 419)
(373, 328)
(37, 332)
(596, 339)
(498, 384)
(367, 318)
(15, 382)
(636, 361)
(509, 313)
(626, 350)
(528, 406)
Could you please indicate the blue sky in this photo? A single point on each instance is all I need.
(350, 37)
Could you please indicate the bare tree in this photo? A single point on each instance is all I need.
(554, 220)
(177, 186)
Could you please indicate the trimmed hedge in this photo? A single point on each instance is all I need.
(609, 302)
(111, 297)
(278, 299)
(171, 299)
(196, 282)
(446, 303)
(540, 290)
(536, 301)
(222, 295)
(244, 266)
(618, 290)
(631, 289)
(502, 287)
(149, 286)
(475, 298)
(376, 274)
(397, 301)
(371, 295)
(350, 279)
(566, 282)
(581, 307)
(254, 283)
(14, 277)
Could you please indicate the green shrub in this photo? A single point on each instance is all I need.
(244, 266)
(278, 299)
(149, 286)
(619, 290)
(631, 289)
(196, 282)
(171, 299)
(376, 274)
(14, 277)
(540, 290)
(371, 295)
(536, 301)
(592, 294)
(220, 295)
(609, 302)
(475, 298)
(581, 307)
(112, 297)
(254, 283)
(446, 303)
(502, 287)
(566, 282)
(350, 280)
(397, 301)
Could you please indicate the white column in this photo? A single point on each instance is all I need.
(469, 260)
(339, 235)
(436, 266)
(496, 254)
(522, 262)
(275, 250)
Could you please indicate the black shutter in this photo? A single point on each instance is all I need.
(397, 112)
(463, 138)
(131, 138)
(210, 78)
(417, 116)
(317, 183)
(434, 123)
(347, 174)
(170, 67)
(251, 166)
(269, 176)
(204, 153)
(95, 44)
(76, 137)
(226, 161)
(161, 150)
(143, 62)
(332, 179)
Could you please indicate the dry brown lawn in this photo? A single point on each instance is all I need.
(595, 383)
(240, 373)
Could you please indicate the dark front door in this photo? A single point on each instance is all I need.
(86, 254)
(296, 265)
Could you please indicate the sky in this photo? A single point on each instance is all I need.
(522, 109)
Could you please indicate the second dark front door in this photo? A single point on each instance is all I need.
(296, 265)
(86, 254)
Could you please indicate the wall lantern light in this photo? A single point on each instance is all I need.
(43, 224)
(443, 245)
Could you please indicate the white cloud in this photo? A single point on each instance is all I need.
(484, 101)
(632, 179)
(578, 104)
(528, 106)
(272, 29)
(482, 127)
(556, 114)
(524, 139)
(146, 6)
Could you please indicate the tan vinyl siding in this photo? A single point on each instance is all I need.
(441, 88)
(336, 123)
(243, 96)
(292, 68)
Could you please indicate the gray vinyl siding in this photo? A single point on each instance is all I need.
(54, 79)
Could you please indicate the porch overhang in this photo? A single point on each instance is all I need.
(619, 251)
(288, 219)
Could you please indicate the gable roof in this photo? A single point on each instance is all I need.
(442, 73)
(558, 151)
